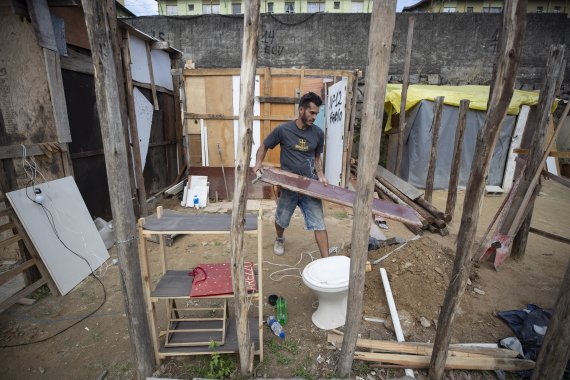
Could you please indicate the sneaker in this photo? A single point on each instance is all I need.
(279, 246)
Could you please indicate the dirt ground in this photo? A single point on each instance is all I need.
(419, 274)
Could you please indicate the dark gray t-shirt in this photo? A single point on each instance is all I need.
(298, 147)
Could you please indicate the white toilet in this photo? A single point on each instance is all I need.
(328, 278)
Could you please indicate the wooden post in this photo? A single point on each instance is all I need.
(136, 148)
(405, 84)
(151, 73)
(554, 74)
(246, 99)
(512, 34)
(436, 123)
(555, 350)
(456, 163)
(351, 126)
(99, 19)
(379, 44)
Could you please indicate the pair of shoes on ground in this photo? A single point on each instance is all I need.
(279, 246)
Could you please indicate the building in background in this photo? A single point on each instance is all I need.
(199, 7)
(474, 6)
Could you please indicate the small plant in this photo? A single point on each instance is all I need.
(122, 367)
(303, 372)
(341, 215)
(282, 359)
(219, 368)
(40, 293)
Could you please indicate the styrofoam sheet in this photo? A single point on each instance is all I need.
(144, 110)
(139, 61)
(73, 224)
(161, 69)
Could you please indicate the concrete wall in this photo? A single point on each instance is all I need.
(457, 48)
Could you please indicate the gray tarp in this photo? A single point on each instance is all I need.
(417, 146)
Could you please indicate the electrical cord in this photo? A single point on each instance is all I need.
(50, 219)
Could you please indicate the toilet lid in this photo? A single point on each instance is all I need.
(328, 272)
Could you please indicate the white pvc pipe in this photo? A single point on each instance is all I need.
(394, 313)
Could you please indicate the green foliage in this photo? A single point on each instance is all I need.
(341, 215)
(219, 368)
(40, 293)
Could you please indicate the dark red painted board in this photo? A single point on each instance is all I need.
(338, 195)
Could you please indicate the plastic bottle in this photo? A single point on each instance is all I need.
(281, 306)
(196, 201)
(276, 327)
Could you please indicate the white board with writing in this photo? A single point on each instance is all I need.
(334, 119)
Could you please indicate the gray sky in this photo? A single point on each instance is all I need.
(150, 7)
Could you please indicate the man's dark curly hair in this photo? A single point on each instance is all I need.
(310, 97)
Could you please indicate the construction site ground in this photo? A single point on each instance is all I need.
(419, 275)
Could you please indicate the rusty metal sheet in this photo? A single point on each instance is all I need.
(337, 195)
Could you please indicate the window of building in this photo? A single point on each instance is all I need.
(337, 5)
(314, 7)
(492, 9)
(270, 8)
(448, 9)
(289, 7)
(469, 10)
(171, 10)
(557, 9)
(539, 9)
(357, 7)
(190, 7)
(236, 8)
(211, 8)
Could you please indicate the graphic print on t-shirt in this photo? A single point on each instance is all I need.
(302, 145)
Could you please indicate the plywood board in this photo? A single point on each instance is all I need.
(335, 117)
(218, 90)
(161, 66)
(74, 227)
(144, 111)
(256, 112)
(339, 195)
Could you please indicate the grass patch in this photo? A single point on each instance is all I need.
(341, 215)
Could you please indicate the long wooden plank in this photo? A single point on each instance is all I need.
(337, 195)
(404, 187)
(11, 240)
(561, 180)
(214, 116)
(8, 275)
(452, 362)
(274, 71)
(425, 348)
(552, 153)
(549, 235)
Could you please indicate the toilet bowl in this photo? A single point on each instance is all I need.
(328, 278)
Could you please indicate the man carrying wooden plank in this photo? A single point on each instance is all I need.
(301, 145)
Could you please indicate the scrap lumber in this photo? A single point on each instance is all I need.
(407, 189)
(456, 162)
(405, 83)
(425, 218)
(504, 74)
(425, 348)
(452, 362)
(100, 20)
(549, 235)
(432, 209)
(561, 180)
(436, 123)
(245, 140)
(382, 21)
(336, 194)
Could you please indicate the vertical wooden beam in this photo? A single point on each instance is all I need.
(133, 128)
(178, 83)
(507, 61)
(345, 155)
(555, 351)
(510, 169)
(436, 123)
(456, 162)
(554, 73)
(100, 19)
(350, 138)
(405, 84)
(151, 73)
(246, 100)
(382, 23)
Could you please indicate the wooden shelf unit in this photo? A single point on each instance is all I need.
(192, 335)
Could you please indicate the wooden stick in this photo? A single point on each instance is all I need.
(136, 148)
(536, 158)
(456, 163)
(405, 84)
(432, 210)
(452, 362)
(245, 140)
(382, 23)
(429, 218)
(549, 235)
(436, 123)
(151, 73)
(510, 46)
(396, 199)
(561, 180)
(555, 349)
(100, 18)
(425, 348)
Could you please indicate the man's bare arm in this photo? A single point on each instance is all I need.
(259, 156)
(319, 170)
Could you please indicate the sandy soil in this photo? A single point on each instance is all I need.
(419, 274)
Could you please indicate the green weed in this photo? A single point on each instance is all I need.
(40, 293)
